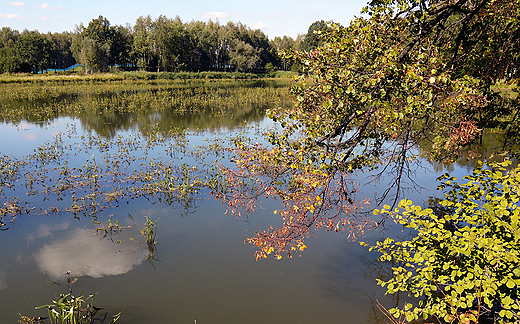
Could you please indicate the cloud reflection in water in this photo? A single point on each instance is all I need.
(88, 254)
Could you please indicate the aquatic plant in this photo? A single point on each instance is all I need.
(109, 106)
(69, 309)
(149, 231)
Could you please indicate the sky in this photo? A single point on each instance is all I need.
(273, 17)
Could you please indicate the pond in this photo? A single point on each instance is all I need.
(65, 146)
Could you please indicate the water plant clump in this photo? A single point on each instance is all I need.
(70, 309)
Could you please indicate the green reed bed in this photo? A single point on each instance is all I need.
(42, 102)
(63, 78)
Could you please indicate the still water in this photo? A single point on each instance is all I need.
(202, 271)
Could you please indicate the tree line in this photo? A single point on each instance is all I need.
(163, 44)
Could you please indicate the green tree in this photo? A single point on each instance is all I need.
(169, 39)
(410, 72)
(34, 51)
(279, 44)
(199, 55)
(219, 43)
(60, 53)
(121, 45)
(313, 37)
(463, 261)
(142, 42)
(100, 44)
(9, 58)
(91, 54)
(244, 57)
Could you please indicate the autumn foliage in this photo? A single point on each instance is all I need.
(369, 99)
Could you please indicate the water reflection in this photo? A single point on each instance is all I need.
(3, 282)
(108, 109)
(45, 230)
(490, 147)
(84, 253)
(109, 124)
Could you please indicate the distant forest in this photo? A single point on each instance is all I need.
(162, 44)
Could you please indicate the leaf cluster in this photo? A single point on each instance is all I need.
(463, 261)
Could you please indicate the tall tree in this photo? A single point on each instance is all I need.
(9, 58)
(61, 54)
(279, 44)
(244, 57)
(104, 43)
(313, 37)
(34, 51)
(91, 54)
(199, 56)
(170, 39)
(142, 42)
(410, 72)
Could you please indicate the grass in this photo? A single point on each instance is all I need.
(78, 76)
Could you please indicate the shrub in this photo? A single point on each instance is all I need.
(464, 261)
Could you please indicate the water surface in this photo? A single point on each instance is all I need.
(202, 271)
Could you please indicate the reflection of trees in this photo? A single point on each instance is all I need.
(107, 110)
(489, 148)
(211, 119)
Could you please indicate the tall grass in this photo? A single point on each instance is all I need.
(126, 75)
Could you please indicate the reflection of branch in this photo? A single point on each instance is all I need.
(399, 320)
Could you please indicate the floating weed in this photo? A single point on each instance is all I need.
(86, 174)
(102, 106)
(109, 229)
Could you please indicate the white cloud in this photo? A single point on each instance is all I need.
(15, 4)
(12, 16)
(259, 25)
(46, 230)
(49, 7)
(84, 253)
(215, 15)
(44, 18)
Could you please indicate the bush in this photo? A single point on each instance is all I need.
(463, 264)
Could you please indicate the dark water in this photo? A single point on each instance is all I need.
(203, 271)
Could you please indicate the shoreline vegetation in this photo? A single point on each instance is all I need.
(138, 75)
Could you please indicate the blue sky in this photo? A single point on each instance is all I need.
(275, 18)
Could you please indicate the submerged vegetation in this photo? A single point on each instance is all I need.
(116, 168)
(85, 173)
